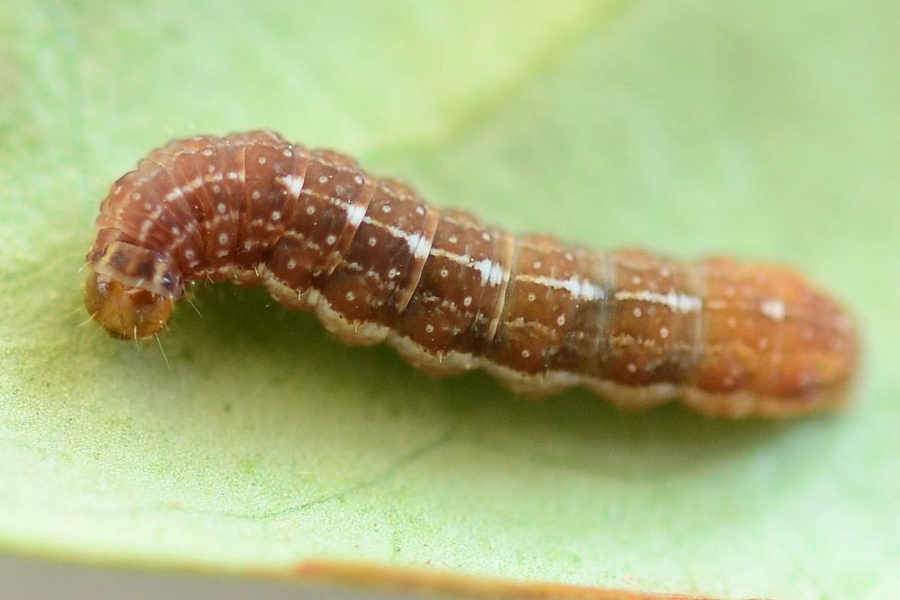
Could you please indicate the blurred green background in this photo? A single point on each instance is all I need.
(763, 129)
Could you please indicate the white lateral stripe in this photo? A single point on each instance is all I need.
(676, 302)
(491, 273)
(577, 288)
(497, 274)
(461, 259)
(484, 266)
(411, 239)
(293, 184)
(355, 214)
(422, 246)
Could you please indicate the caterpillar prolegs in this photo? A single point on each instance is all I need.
(377, 263)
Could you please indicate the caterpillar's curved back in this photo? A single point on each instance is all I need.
(377, 263)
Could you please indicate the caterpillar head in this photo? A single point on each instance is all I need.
(131, 290)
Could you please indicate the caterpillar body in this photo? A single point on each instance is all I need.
(377, 263)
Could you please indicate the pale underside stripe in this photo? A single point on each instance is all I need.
(731, 404)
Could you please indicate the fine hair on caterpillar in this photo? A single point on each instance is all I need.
(378, 263)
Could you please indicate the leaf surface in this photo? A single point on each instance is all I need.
(256, 442)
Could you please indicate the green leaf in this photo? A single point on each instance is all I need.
(257, 442)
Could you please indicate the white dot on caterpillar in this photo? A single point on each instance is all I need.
(350, 296)
(323, 178)
(636, 280)
(256, 195)
(216, 189)
(531, 297)
(208, 152)
(774, 309)
(536, 264)
(420, 211)
(637, 312)
(663, 332)
(429, 328)
(223, 239)
(665, 272)
(393, 273)
(358, 179)
(330, 240)
(526, 353)
(176, 231)
(453, 239)
(310, 210)
(467, 301)
(444, 272)
(291, 264)
(287, 153)
(276, 215)
(221, 208)
(632, 368)
(211, 168)
(261, 160)
(136, 196)
(561, 320)
(372, 242)
(386, 208)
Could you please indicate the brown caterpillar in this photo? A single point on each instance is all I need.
(377, 263)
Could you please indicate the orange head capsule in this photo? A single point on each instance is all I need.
(125, 312)
(131, 290)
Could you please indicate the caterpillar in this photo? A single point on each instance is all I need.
(377, 263)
